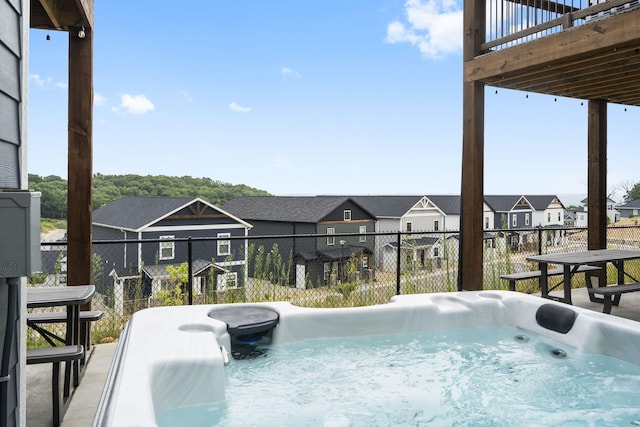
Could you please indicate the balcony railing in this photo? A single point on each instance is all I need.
(513, 22)
(308, 270)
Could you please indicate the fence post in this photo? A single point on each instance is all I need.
(190, 271)
(539, 241)
(398, 266)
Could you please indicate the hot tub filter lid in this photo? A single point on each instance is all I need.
(242, 320)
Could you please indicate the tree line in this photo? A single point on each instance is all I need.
(107, 188)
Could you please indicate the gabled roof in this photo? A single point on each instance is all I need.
(542, 201)
(502, 203)
(387, 206)
(634, 204)
(449, 204)
(137, 213)
(198, 266)
(308, 209)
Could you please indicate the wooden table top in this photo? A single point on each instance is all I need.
(586, 257)
(52, 296)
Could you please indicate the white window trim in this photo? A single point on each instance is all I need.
(526, 219)
(326, 272)
(347, 215)
(167, 245)
(514, 220)
(363, 230)
(436, 225)
(409, 226)
(220, 244)
(223, 280)
(331, 240)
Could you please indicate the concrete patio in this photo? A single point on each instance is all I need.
(86, 397)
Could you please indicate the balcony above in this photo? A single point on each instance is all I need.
(558, 49)
(61, 14)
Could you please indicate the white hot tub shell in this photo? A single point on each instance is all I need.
(172, 357)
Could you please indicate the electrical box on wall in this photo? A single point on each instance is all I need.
(19, 233)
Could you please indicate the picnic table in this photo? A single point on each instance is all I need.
(73, 350)
(571, 261)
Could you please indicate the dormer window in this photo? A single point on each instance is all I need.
(347, 215)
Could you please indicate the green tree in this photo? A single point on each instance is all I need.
(633, 193)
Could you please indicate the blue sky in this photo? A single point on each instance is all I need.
(306, 97)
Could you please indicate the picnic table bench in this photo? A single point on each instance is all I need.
(535, 274)
(614, 291)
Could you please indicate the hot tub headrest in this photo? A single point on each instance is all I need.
(556, 317)
(243, 320)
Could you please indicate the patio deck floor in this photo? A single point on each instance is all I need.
(86, 398)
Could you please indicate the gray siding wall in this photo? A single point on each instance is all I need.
(13, 46)
(11, 90)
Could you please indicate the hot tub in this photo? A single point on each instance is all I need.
(172, 358)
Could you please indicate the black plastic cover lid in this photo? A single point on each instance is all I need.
(242, 320)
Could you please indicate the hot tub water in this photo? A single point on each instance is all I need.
(475, 376)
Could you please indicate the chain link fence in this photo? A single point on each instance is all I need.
(336, 270)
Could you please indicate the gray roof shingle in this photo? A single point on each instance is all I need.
(308, 209)
(135, 212)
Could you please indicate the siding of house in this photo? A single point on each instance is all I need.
(14, 28)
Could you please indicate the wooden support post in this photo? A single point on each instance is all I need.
(470, 263)
(597, 175)
(472, 200)
(80, 157)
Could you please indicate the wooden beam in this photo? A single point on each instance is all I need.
(597, 175)
(572, 44)
(52, 9)
(80, 158)
(85, 10)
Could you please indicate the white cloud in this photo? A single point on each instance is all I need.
(239, 108)
(286, 70)
(136, 104)
(42, 82)
(433, 26)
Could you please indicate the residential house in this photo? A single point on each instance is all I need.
(581, 217)
(613, 214)
(570, 219)
(630, 209)
(217, 264)
(513, 213)
(548, 213)
(416, 214)
(314, 261)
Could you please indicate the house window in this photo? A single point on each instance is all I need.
(331, 240)
(167, 249)
(436, 225)
(409, 226)
(486, 223)
(635, 212)
(436, 252)
(514, 220)
(363, 230)
(227, 281)
(347, 215)
(365, 262)
(526, 219)
(326, 271)
(559, 217)
(549, 217)
(224, 246)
